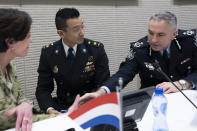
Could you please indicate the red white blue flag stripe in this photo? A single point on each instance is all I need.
(102, 110)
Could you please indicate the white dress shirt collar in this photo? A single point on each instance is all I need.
(168, 51)
(66, 48)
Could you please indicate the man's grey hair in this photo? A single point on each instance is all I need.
(169, 17)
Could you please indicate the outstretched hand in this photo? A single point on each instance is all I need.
(89, 96)
(75, 105)
(85, 98)
(168, 87)
(24, 116)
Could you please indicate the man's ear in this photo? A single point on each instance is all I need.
(175, 33)
(60, 33)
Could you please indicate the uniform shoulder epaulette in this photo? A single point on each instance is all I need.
(48, 46)
(94, 43)
(186, 33)
(140, 43)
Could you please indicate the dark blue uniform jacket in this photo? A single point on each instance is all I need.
(183, 62)
(90, 71)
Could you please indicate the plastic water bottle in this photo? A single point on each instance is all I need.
(159, 105)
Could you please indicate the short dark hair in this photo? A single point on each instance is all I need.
(63, 15)
(167, 16)
(14, 24)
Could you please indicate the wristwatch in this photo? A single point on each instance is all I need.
(183, 84)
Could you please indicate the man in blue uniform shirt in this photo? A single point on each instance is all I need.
(78, 65)
(174, 49)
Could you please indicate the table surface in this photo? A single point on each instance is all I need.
(181, 114)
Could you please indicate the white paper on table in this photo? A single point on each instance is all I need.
(59, 123)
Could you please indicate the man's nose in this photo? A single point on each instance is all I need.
(82, 31)
(154, 39)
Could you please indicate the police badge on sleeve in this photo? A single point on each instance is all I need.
(131, 54)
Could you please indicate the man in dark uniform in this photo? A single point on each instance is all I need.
(175, 50)
(78, 65)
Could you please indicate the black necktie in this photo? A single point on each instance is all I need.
(70, 58)
(166, 59)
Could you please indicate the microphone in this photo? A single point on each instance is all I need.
(120, 82)
(158, 68)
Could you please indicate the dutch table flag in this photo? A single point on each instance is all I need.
(102, 110)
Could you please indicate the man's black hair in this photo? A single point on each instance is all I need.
(63, 15)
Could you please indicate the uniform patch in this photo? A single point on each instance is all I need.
(131, 54)
(138, 44)
(189, 32)
(149, 66)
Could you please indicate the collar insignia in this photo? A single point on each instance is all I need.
(83, 49)
(57, 50)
